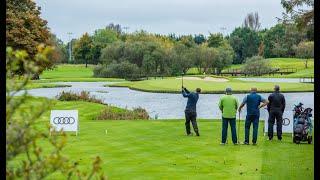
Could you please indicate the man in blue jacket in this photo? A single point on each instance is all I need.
(191, 110)
(253, 101)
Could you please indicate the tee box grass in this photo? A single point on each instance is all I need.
(159, 149)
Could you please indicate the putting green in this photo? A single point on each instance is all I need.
(173, 85)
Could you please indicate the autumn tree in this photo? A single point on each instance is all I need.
(303, 17)
(59, 53)
(82, 49)
(25, 30)
(305, 50)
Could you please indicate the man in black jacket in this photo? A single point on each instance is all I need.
(191, 110)
(276, 106)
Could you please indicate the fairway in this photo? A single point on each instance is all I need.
(72, 73)
(68, 70)
(159, 149)
(172, 85)
(281, 63)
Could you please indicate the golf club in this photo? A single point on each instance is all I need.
(239, 127)
(182, 78)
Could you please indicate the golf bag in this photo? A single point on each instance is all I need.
(302, 124)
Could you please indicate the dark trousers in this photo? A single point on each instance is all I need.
(275, 114)
(254, 119)
(191, 116)
(232, 122)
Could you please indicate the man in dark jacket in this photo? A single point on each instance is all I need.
(191, 110)
(276, 106)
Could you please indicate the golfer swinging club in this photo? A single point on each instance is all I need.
(191, 111)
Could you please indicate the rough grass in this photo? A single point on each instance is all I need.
(172, 85)
(159, 149)
(123, 114)
(82, 96)
(45, 85)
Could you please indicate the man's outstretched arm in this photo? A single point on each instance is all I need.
(185, 92)
(264, 103)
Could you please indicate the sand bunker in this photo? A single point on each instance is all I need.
(205, 79)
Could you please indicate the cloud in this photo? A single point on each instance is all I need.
(166, 16)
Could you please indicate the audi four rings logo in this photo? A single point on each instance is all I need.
(64, 120)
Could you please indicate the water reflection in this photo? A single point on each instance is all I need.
(164, 105)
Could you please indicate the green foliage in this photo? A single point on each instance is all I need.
(215, 40)
(245, 43)
(256, 65)
(82, 96)
(187, 40)
(109, 114)
(199, 39)
(304, 18)
(305, 49)
(82, 50)
(123, 69)
(224, 57)
(22, 134)
(60, 54)
(281, 39)
(182, 58)
(102, 37)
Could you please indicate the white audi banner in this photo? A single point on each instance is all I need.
(65, 120)
(287, 126)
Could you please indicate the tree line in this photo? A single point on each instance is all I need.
(149, 54)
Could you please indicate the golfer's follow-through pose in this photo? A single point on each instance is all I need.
(228, 105)
(253, 101)
(276, 107)
(191, 110)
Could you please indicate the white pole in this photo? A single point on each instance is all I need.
(70, 43)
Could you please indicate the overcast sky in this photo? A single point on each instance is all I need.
(157, 16)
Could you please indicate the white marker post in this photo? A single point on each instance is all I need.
(65, 120)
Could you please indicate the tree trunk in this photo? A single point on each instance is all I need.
(35, 77)
(306, 63)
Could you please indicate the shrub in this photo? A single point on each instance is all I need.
(124, 70)
(111, 114)
(305, 49)
(82, 96)
(256, 65)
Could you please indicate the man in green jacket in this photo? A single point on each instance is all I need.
(228, 105)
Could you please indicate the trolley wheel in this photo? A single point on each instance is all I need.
(296, 140)
(309, 139)
(285, 121)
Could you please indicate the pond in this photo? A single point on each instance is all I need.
(165, 105)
